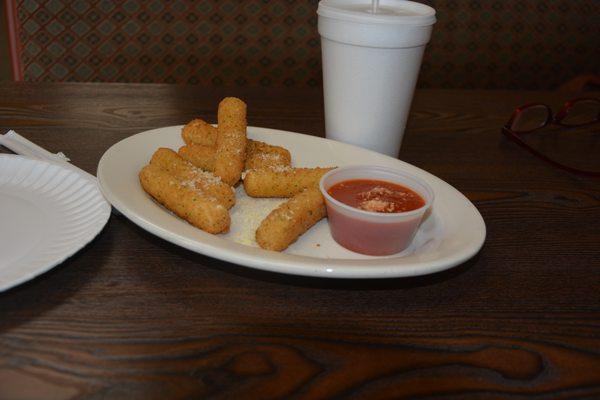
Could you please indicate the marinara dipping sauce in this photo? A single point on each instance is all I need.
(376, 196)
(374, 210)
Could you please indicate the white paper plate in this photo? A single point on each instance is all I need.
(47, 213)
(451, 234)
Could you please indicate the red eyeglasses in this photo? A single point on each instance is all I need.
(533, 117)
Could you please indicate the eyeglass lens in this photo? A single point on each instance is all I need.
(530, 118)
(582, 112)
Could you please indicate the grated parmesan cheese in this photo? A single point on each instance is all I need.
(377, 205)
(246, 216)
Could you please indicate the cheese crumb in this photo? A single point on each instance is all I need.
(377, 205)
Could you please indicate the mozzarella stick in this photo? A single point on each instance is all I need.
(187, 202)
(199, 132)
(202, 157)
(281, 181)
(261, 155)
(231, 140)
(284, 225)
(187, 174)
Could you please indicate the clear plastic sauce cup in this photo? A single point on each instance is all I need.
(373, 233)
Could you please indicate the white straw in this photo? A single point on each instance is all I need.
(20, 145)
(23, 146)
(374, 6)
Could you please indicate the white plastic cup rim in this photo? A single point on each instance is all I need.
(375, 172)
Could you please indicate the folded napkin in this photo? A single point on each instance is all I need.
(20, 145)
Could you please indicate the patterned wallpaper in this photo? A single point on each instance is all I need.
(476, 43)
(512, 43)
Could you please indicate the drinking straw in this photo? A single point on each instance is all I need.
(374, 6)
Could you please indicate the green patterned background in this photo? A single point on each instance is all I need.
(476, 44)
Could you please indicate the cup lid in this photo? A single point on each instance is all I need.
(402, 12)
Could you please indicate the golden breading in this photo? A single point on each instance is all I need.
(187, 202)
(284, 225)
(231, 140)
(261, 155)
(258, 155)
(281, 182)
(199, 132)
(200, 156)
(186, 173)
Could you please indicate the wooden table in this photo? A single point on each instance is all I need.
(133, 316)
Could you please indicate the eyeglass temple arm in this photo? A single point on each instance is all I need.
(515, 138)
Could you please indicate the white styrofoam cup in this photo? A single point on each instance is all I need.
(371, 64)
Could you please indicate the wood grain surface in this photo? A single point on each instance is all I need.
(134, 317)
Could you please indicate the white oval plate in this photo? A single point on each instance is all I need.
(452, 233)
(48, 212)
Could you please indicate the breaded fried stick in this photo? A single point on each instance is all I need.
(284, 225)
(199, 132)
(202, 157)
(258, 155)
(281, 182)
(261, 155)
(188, 203)
(231, 140)
(187, 174)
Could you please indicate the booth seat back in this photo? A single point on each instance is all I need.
(274, 43)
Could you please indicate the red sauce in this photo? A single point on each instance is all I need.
(376, 196)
